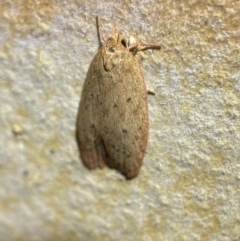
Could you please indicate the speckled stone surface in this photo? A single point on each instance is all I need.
(189, 186)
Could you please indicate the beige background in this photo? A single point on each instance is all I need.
(189, 185)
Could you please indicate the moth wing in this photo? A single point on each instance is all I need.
(88, 131)
(124, 126)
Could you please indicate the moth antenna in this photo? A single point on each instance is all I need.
(137, 47)
(143, 47)
(101, 35)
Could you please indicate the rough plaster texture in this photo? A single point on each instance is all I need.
(189, 185)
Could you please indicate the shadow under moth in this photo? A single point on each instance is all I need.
(113, 122)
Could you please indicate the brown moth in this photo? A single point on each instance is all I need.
(113, 122)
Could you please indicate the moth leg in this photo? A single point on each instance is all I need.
(150, 92)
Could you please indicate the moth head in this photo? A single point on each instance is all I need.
(118, 40)
(114, 50)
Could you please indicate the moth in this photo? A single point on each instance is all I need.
(113, 122)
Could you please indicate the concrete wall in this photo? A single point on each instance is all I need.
(189, 185)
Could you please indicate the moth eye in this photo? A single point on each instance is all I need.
(111, 49)
(124, 43)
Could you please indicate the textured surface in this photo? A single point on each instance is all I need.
(189, 185)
